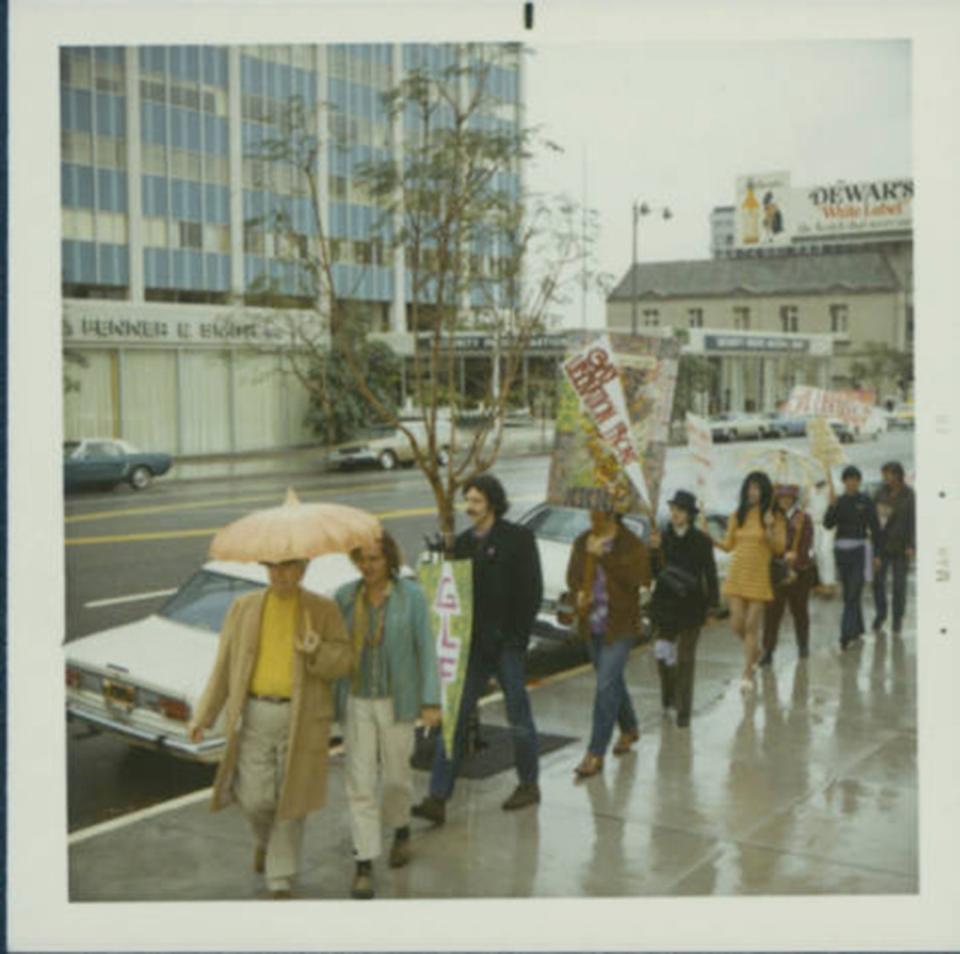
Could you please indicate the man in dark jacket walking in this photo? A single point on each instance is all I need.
(858, 533)
(686, 587)
(896, 513)
(507, 592)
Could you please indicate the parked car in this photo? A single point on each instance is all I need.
(555, 529)
(384, 447)
(105, 462)
(778, 425)
(141, 681)
(845, 433)
(902, 416)
(737, 426)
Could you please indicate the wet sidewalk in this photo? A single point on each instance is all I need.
(806, 787)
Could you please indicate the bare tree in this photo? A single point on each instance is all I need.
(481, 254)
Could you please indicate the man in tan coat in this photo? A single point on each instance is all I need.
(280, 652)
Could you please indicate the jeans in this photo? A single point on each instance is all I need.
(611, 703)
(898, 562)
(509, 666)
(850, 570)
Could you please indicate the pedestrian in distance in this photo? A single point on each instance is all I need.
(756, 534)
(280, 652)
(897, 516)
(608, 565)
(855, 517)
(794, 591)
(685, 590)
(394, 680)
(507, 592)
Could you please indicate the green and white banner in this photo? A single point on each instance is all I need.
(449, 590)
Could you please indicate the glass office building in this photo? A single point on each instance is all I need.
(166, 233)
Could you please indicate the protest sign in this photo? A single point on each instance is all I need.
(700, 442)
(614, 405)
(804, 401)
(824, 445)
(448, 586)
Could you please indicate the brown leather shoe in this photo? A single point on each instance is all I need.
(526, 793)
(259, 859)
(362, 886)
(625, 743)
(591, 765)
(432, 809)
(400, 853)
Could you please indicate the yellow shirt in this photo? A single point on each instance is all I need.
(273, 671)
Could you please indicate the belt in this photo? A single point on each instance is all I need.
(277, 699)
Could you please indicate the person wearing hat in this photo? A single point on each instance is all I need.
(608, 565)
(684, 592)
(795, 590)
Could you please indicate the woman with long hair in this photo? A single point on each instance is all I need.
(756, 533)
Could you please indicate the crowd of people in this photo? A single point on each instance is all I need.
(290, 662)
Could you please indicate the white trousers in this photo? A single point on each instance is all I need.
(823, 553)
(374, 738)
(257, 782)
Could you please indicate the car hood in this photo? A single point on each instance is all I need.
(154, 652)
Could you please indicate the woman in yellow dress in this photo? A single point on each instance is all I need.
(756, 533)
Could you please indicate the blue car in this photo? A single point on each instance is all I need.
(105, 462)
(777, 425)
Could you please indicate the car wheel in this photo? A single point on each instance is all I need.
(140, 478)
(387, 460)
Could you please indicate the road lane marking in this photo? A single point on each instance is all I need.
(214, 502)
(161, 808)
(133, 598)
(210, 531)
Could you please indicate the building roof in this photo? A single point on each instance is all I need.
(774, 275)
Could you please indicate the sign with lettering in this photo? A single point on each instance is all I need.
(448, 586)
(486, 344)
(805, 401)
(756, 343)
(171, 331)
(614, 406)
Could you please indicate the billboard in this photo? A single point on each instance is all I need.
(770, 212)
(762, 211)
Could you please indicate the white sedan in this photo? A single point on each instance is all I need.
(142, 680)
(555, 529)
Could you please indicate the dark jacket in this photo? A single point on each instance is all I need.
(507, 585)
(854, 516)
(693, 552)
(899, 533)
(627, 568)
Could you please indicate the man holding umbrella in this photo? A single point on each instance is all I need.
(280, 651)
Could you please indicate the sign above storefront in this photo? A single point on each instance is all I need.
(90, 329)
(777, 343)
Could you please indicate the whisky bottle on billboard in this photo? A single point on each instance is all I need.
(750, 218)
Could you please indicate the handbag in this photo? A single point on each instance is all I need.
(679, 582)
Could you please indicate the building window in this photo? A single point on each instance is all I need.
(651, 317)
(76, 147)
(253, 240)
(191, 235)
(695, 316)
(154, 232)
(838, 319)
(338, 187)
(78, 224)
(216, 238)
(741, 319)
(789, 318)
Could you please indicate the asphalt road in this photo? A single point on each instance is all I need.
(126, 551)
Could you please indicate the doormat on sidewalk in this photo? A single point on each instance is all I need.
(495, 754)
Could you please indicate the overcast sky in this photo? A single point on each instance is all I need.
(675, 123)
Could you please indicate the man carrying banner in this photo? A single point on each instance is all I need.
(507, 591)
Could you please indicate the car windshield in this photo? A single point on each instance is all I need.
(204, 599)
(565, 524)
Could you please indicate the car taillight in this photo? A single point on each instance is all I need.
(174, 708)
(73, 677)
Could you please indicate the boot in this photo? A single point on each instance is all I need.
(432, 809)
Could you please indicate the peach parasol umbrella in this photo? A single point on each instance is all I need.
(294, 531)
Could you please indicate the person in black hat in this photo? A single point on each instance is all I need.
(685, 589)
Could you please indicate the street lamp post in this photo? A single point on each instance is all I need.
(640, 208)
